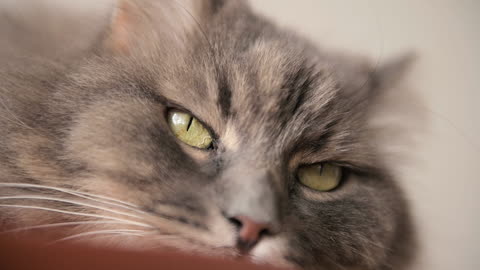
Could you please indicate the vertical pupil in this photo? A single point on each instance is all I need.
(320, 169)
(189, 123)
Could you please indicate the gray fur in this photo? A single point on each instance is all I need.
(273, 102)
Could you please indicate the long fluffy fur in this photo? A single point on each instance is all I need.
(273, 101)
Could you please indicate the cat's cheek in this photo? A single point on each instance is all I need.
(199, 155)
(272, 251)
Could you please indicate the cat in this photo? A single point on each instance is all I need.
(202, 126)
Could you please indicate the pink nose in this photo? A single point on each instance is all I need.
(249, 232)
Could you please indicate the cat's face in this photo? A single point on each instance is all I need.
(270, 103)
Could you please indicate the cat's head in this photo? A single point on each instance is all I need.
(225, 135)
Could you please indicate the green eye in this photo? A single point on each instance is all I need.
(189, 130)
(320, 177)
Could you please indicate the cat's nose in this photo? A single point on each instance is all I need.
(249, 232)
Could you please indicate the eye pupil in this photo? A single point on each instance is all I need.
(189, 123)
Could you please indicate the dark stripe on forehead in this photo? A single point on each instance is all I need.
(216, 5)
(298, 84)
(224, 94)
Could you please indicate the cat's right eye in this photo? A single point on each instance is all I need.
(320, 177)
(189, 130)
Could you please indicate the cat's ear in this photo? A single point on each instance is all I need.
(125, 19)
(391, 73)
(164, 21)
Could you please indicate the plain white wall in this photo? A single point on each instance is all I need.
(443, 182)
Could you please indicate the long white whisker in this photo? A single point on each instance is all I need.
(76, 214)
(62, 224)
(123, 232)
(69, 191)
(67, 201)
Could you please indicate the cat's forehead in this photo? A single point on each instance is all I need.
(265, 92)
(257, 84)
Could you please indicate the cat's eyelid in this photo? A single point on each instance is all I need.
(344, 165)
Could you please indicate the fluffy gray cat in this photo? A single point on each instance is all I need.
(201, 126)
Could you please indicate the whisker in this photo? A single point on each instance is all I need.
(68, 201)
(53, 225)
(76, 214)
(85, 195)
(123, 232)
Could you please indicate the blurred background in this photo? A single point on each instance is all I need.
(442, 182)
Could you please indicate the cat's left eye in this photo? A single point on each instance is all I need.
(321, 176)
(189, 130)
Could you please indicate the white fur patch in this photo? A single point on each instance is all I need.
(231, 139)
(272, 251)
